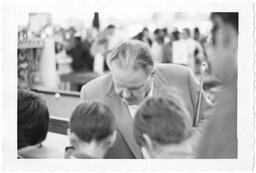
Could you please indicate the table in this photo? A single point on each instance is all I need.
(61, 106)
(77, 78)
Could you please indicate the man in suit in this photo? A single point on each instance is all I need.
(220, 139)
(134, 77)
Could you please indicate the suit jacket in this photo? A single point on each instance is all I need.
(220, 137)
(166, 76)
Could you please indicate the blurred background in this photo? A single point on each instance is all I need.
(62, 51)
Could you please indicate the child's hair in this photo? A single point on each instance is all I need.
(163, 120)
(92, 121)
(33, 119)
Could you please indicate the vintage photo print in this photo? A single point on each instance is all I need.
(128, 85)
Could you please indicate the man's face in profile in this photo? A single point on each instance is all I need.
(222, 50)
(131, 85)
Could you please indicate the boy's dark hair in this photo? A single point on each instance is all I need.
(163, 120)
(230, 17)
(33, 119)
(92, 120)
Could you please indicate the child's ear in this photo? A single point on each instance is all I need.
(72, 137)
(112, 139)
(68, 131)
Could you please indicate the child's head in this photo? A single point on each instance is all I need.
(92, 126)
(161, 124)
(33, 119)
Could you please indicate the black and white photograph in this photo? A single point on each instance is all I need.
(169, 85)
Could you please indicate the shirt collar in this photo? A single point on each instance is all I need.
(150, 94)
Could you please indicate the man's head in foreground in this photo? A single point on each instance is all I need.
(131, 65)
(92, 129)
(222, 50)
(161, 128)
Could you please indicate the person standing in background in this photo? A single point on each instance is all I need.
(80, 53)
(104, 45)
(197, 36)
(144, 36)
(157, 46)
(186, 49)
(193, 47)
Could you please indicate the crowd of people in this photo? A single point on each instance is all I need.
(147, 109)
(87, 51)
(176, 47)
(186, 47)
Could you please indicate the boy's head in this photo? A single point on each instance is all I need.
(161, 124)
(33, 119)
(92, 126)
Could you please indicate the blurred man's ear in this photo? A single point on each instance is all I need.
(112, 139)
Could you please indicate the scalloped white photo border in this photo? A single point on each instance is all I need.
(245, 118)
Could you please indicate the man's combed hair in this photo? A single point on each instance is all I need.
(163, 120)
(33, 119)
(133, 53)
(92, 121)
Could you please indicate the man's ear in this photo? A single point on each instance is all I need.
(72, 137)
(112, 139)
